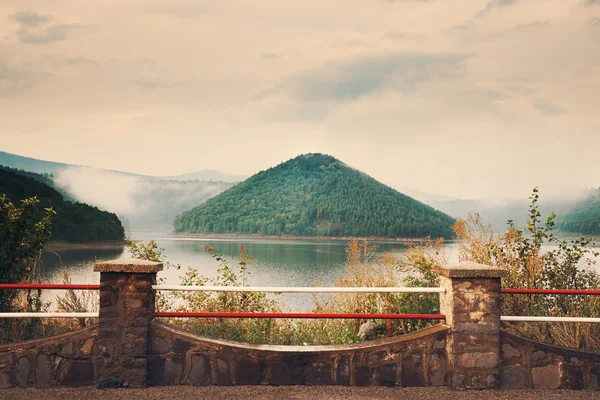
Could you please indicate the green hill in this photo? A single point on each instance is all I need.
(584, 217)
(310, 195)
(73, 222)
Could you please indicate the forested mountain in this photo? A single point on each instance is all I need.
(315, 194)
(584, 217)
(73, 222)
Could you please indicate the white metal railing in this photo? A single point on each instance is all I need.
(49, 315)
(300, 289)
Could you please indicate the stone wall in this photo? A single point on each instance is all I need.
(180, 358)
(529, 364)
(65, 360)
(129, 349)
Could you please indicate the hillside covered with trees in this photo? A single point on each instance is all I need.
(313, 195)
(584, 217)
(73, 222)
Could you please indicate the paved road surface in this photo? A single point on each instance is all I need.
(288, 393)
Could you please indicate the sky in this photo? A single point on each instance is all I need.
(472, 99)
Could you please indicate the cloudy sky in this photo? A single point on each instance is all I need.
(475, 99)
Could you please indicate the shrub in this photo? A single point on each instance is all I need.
(365, 268)
(530, 265)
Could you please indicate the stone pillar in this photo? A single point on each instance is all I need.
(471, 304)
(126, 307)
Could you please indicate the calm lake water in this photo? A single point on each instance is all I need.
(277, 262)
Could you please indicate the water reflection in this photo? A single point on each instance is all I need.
(281, 262)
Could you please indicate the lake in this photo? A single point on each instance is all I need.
(276, 262)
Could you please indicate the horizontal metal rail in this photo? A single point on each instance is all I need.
(61, 286)
(514, 318)
(294, 315)
(299, 289)
(49, 315)
(588, 292)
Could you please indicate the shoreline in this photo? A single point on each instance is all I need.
(53, 246)
(294, 237)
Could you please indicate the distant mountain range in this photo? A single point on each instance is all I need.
(315, 195)
(152, 202)
(51, 167)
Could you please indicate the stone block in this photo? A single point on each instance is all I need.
(135, 363)
(437, 369)
(111, 382)
(160, 345)
(547, 377)
(538, 355)
(481, 379)
(87, 347)
(374, 358)
(181, 346)
(43, 371)
(173, 372)
(67, 349)
(470, 270)
(386, 374)
(76, 373)
(468, 342)
(223, 373)
(458, 381)
(23, 367)
(362, 375)
(200, 371)
(5, 380)
(413, 373)
(156, 372)
(476, 360)
(343, 371)
(249, 372)
(289, 370)
(318, 375)
(508, 351)
(477, 328)
(574, 379)
(595, 380)
(131, 266)
(138, 348)
(439, 344)
(513, 377)
(6, 360)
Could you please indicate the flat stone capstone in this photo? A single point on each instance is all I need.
(130, 265)
(470, 269)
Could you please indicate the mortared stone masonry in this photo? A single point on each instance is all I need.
(126, 307)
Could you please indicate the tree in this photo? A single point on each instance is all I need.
(22, 238)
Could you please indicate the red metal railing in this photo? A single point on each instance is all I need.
(586, 292)
(61, 286)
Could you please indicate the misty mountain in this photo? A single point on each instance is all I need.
(496, 212)
(51, 167)
(73, 222)
(142, 204)
(584, 217)
(315, 194)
